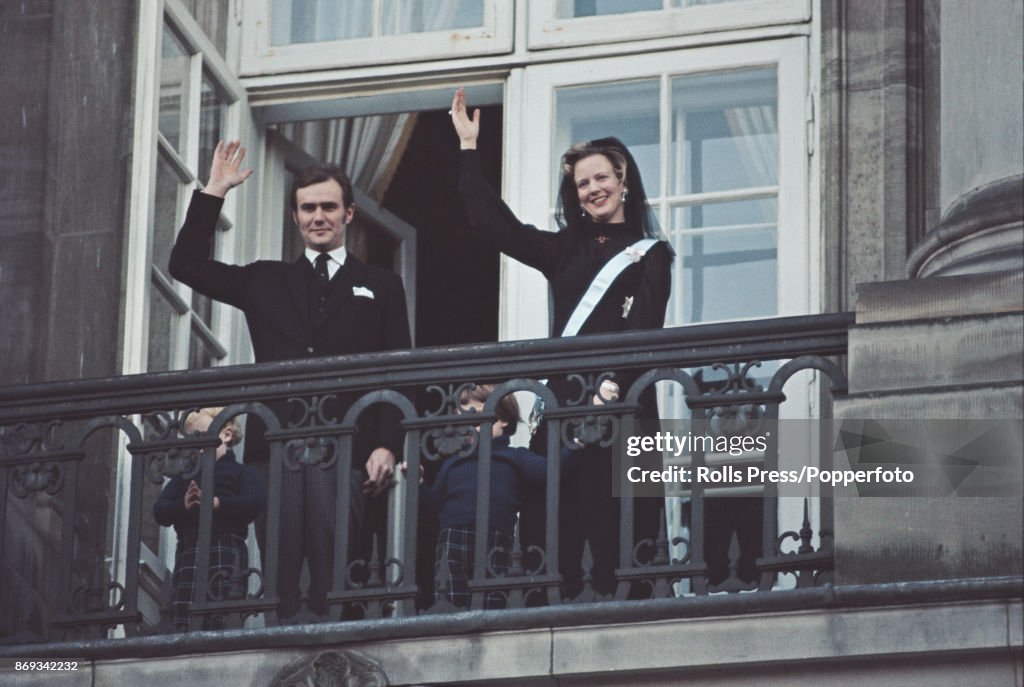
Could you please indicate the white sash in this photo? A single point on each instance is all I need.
(595, 292)
(599, 286)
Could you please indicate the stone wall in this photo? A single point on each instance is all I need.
(67, 74)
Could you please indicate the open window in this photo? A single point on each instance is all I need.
(402, 156)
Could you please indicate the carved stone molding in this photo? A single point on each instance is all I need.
(331, 669)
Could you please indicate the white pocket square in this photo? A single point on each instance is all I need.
(362, 291)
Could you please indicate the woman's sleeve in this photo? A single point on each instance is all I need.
(651, 298)
(488, 213)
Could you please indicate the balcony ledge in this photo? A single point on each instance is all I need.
(977, 622)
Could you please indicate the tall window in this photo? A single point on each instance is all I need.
(192, 115)
(719, 137)
(722, 158)
(186, 99)
(719, 203)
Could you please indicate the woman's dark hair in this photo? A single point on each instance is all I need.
(568, 213)
(317, 174)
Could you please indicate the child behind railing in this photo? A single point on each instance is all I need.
(238, 497)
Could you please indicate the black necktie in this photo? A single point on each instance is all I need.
(321, 268)
(323, 284)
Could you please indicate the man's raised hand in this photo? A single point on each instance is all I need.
(226, 172)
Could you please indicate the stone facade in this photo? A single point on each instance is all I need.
(922, 173)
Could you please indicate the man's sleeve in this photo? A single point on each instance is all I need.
(191, 262)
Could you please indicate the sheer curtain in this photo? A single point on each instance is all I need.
(310, 21)
(753, 129)
(367, 148)
(415, 16)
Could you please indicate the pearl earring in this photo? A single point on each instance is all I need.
(583, 213)
(624, 192)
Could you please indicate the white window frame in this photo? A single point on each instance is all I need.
(547, 30)
(258, 56)
(535, 178)
(149, 146)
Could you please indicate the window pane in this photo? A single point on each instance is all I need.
(212, 17)
(593, 8)
(628, 111)
(310, 21)
(162, 319)
(724, 131)
(740, 214)
(165, 213)
(403, 16)
(211, 124)
(173, 77)
(730, 270)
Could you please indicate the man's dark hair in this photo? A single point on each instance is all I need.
(316, 174)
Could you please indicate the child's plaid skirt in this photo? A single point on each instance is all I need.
(455, 548)
(228, 556)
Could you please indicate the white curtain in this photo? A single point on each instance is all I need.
(367, 148)
(415, 16)
(309, 21)
(753, 129)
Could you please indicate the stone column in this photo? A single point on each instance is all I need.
(981, 142)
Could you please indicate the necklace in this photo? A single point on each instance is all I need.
(601, 238)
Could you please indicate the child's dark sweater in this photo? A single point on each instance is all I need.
(238, 488)
(513, 470)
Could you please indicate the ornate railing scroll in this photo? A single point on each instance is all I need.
(309, 432)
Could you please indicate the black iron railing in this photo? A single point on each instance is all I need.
(84, 458)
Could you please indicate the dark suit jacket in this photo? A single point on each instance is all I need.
(275, 297)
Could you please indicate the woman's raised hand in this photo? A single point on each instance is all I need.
(225, 171)
(467, 129)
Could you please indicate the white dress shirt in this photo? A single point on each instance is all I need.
(337, 259)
